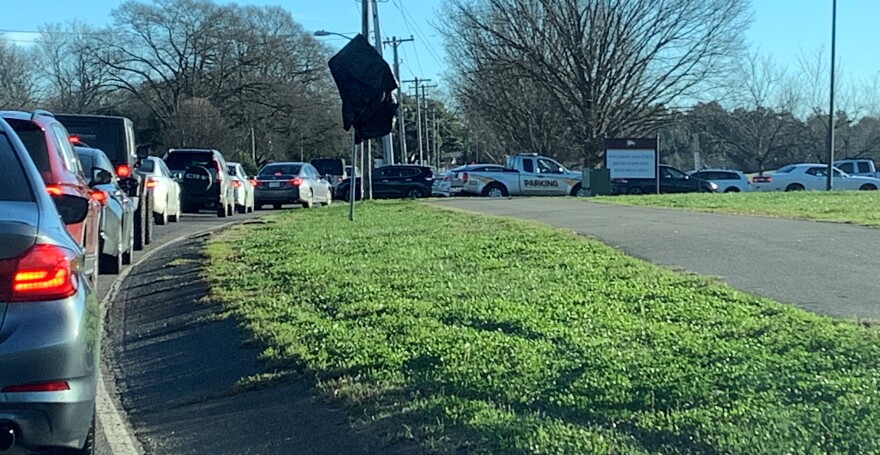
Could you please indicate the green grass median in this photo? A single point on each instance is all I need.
(857, 207)
(473, 334)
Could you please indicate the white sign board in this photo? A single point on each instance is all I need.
(631, 163)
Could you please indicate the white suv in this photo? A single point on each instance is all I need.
(728, 181)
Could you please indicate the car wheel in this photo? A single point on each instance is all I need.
(310, 202)
(110, 264)
(579, 191)
(732, 189)
(329, 200)
(795, 187)
(148, 225)
(221, 210)
(140, 216)
(494, 190)
(240, 208)
(414, 193)
(636, 190)
(276, 206)
(161, 218)
(176, 217)
(868, 187)
(126, 258)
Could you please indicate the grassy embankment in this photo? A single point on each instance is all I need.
(484, 335)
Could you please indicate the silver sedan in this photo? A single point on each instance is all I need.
(291, 183)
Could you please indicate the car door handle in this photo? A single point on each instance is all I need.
(384, 181)
(409, 180)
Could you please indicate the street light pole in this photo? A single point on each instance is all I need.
(830, 182)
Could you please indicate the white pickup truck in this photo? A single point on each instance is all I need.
(860, 168)
(524, 175)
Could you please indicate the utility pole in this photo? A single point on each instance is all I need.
(830, 183)
(436, 140)
(427, 123)
(418, 81)
(395, 42)
(387, 150)
(254, 146)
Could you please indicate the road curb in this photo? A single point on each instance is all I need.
(115, 425)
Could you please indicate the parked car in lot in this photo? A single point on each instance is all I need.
(50, 329)
(672, 180)
(450, 183)
(243, 190)
(332, 169)
(526, 174)
(291, 183)
(166, 191)
(811, 177)
(204, 180)
(858, 167)
(115, 137)
(46, 141)
(394, 181)
(117, 210)
(727, 180)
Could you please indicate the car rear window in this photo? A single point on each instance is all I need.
(180, 160)
(87, 164)
(785, 169)
(15, 183)
(34, 140)
(283, 169)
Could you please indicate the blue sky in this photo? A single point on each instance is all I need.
(782, 28)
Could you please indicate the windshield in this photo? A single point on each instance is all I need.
(328, 166)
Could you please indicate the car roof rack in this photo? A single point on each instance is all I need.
(39, 112)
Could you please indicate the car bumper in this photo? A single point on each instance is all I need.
(284, 195)
(209, 198)
(32, 353)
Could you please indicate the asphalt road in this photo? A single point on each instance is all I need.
(189, 224)
(828, 268)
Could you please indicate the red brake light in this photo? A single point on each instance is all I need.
(98, 195)
(236, 183)
(43, 272)
(296, 182)
(761, 179)
(53, 190)
(151, 183)
(256, 182)
(57, 386)
(74, 139)
(123, 171)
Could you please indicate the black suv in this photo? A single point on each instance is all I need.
(115, 137)
(672, 180)
(204, 180)
(395, 181)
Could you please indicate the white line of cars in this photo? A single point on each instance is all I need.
(812, 177)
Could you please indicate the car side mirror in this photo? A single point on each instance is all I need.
(73, 209)
(101, 176)
(142, 151)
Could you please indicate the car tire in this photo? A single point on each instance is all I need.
(148, 222)
(126, 258)
(161, 218)
(310, 202)
(732, 189)
(868, 187)
(221, 210)
(495, 190)
(636, 191)
(414, 193)
(240, 208)
(140, 216)
(579, 191)
(109, 264)
(795, 187)
(276, 206)
(176, 217)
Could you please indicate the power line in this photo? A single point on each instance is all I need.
(407, 17)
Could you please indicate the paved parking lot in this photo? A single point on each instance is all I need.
(826, 268)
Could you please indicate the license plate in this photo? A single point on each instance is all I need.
(274, 184)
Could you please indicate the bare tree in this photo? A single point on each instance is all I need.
(19, 88)
(78, 82)
(609, 65)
